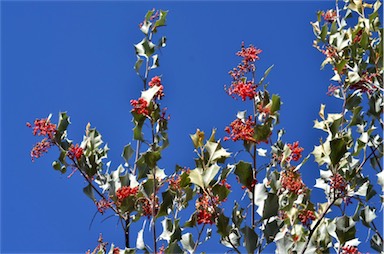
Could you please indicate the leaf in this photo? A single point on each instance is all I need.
(173, 248)
(377, 243)
(265, 75)
(89, 192)
(197, 138)
(56, 165)
(338, 150)
(155, 62)
(260, 195)
(196, 177)
(149, 93)
(210, 173)
(324, 32)
(380, 180)
(145, 48)
(244, 173)
(127, 153)
(215, 151)
(222, 225)
(250, 239)
(187, 242)
(271, 206)
(140, 239)
(151, 158)
(345, 229)
(161, 21)
(167, 203)
(138, 64)
(191, 222)
(168, 229)
(368, 215)
(275, 103)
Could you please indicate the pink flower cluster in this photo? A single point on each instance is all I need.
(75, 152)
(206, 209)
(350, 250)
(306, 217)
(126, 191)
(102, 205)
(329, 16)
(291, 180)
(295, 151)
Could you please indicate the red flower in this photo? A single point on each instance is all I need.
(350, 250)
(242, 89)
(42, 127)
(140, 106)
(240, 130)
(295, 151)
(75, 152)
(306, 217)
(156, 81)
(205, 205)
(338, 184)
(126, 191)
(329, 15)
(225, 184)
(103, 205)
(147, 207)
(249, 54)
(40, 148)
(292, 181)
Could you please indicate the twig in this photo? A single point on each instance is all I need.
(198, 239)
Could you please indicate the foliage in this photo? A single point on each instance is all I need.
(280, 209)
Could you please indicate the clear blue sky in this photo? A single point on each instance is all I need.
(79, 56)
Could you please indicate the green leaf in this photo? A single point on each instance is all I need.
(338, 150)
(340, 65)
(324, 32)
(270, 231)
(187, 242)
(353, 100)
(368, 215)
(237, 215)
(275, 103)
(155, 62)
(56, 165)
(173, 248)
(127, 152)
(168, 230)
(149, 14)
(151, 158)
(377, 243)
(143, 169)
(345, 229)
(167, 203)
(244, 172)
(161, 21)
(89, 192)
(197, 138)
(162, 42)
(145, 48)
(271, 206)
(250, 239)
(222, 225)
(196, 177)
(138, 64)
(210, 173)
(191, 222)
(265, 75)
(262, 131)
(221, 191)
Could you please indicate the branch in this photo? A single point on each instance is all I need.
(198, 239)
(317, 224)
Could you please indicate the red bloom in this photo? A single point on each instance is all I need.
(242, 89)
(240, 130)
(126, 191)
(329, 15)
(338, 184)
(103, 205)
(156, 81)
(350, 250)
(295, 151)
(40, 148)
(306, 217)
(140, 106)
(205, 205)
(147, 207)
(292, 181)
(225, 184)
(75, 152)
(249, 54)
(42, 127)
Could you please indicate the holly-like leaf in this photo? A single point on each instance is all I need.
(173, 248)
(127, 152)
(138, 64)
(145, 48)
(250, 239)
(89, 192)
(275, 103)
(167, 203)
(187, 242)
(198, 138)
(338, 149)
(244, 173)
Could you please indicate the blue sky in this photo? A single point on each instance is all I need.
(78, 57)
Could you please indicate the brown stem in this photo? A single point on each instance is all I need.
(316, 225)
(126, 231)
(198, 238)
(253, 187)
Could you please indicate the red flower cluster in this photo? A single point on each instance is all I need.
(40, 148)
(146, 206)
(350, 250)
(329, 15)
(75, 152)
(42, 127)
(103, 205)
(365, 83)
(240, 130)
(244, 89)
(249, 54)
(156, 81)
(225, 184)
(292, 181)
(295, 151)
(126, 191)
(140, 106)
(240, 86)
(338, 184)
(330, 52)
(306, 217)
(253, 184)
(205, 205)
(174, 182)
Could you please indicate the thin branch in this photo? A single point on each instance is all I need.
(317, 224)
(233, 246)
(198, 238)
